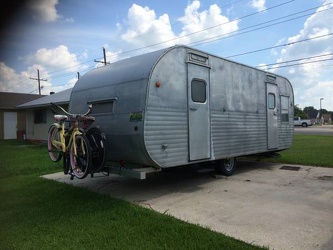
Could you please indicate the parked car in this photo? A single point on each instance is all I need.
(302, 122)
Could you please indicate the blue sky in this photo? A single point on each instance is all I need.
(61, 38)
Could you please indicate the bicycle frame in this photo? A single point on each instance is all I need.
(63, 135)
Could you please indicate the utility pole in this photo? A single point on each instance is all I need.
(104, 58)
(38, 79)
(321, 115)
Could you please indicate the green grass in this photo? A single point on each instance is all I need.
(43, 214)
(313, 150)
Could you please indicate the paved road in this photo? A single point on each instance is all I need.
(260, 204)
(315, 130)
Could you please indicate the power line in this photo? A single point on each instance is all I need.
(277, 46)
(279, 64)
(189, 34)
(298, 64)
(209, 39)
(295, 60)
(224, 36)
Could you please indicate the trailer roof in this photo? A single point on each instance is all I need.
(126, 70)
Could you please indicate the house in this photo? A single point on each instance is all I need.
(12, 119)
(327, 118)
(39, 115)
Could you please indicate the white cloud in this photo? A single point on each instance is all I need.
(47, 61)
(8, 78)
(205, 24)
(144, 28)
(311, 81)
(57, 58)
(44, 10)
(10, 81)
(259, 5)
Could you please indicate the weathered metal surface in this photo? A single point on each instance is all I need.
(178, 106)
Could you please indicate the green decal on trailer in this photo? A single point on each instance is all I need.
(136, 117)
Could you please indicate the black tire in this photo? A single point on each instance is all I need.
(225, 166)
(304, 124)
(53, 135)
(81, 162)
(97, 142)
(66, 163)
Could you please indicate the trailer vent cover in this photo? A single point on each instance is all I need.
(290, 168)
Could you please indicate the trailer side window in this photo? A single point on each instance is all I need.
(271, 101)
(105, 106)
(198, 91)
(100, 108)
(284, 109)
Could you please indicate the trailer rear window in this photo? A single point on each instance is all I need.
(198, 91)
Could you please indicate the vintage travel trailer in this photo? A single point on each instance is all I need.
(180, 106)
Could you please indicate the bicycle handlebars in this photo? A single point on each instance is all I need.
(76, 116)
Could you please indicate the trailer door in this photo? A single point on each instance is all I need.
(198, 112)
(272, 123)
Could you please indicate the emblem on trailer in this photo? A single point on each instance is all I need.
(136, 117)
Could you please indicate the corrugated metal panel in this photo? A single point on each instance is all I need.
(238, 133)
(166, 135)
(286, 132)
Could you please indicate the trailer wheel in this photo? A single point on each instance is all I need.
(226, 166)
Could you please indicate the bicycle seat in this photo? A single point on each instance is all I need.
(60, 117)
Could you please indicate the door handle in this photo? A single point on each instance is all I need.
(192, 108)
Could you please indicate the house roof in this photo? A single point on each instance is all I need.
(59, 98)
(9, 100)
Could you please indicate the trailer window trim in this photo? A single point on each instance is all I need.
(199, 91)
(271, 101)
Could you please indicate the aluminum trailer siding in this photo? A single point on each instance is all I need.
(178, 106)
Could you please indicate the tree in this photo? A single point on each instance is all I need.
(325, 111)
(311, 112)
(299, 113)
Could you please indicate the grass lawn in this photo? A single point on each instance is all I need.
(313, 150)
(43, 214)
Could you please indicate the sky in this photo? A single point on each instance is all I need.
(64, 39)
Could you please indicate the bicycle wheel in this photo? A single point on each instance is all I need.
(65, 163)
(53, 135)
(97, 142)
(81, 161)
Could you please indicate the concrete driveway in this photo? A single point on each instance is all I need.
(260, 204)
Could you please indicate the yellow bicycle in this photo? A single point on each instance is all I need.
(71, 143)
